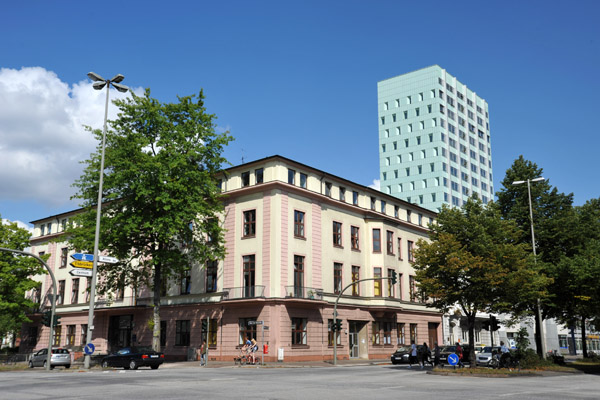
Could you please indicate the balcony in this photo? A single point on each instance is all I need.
(303, 292)
(244, 292)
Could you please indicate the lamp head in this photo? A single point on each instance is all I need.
(119, 87)
(99, 85)
(95, 77)
(117, 78)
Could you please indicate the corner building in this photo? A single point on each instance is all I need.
(434, 139)
(295, 238)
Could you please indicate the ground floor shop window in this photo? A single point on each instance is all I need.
(413, 333)
(387, 333)
(70, 335)
(298, 331)
(247, 331)
(209, 331)
(182, 333)
(163, 333)
(83, 340)
(331, 334)
(376, 334)
(57, 332)
(401, 333)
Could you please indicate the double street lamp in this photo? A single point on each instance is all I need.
(538, 308)
(99, 84)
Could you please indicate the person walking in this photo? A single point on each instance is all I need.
(436, 355)
(203, 354)
(459, 353)
(425, 355)
(413, 354)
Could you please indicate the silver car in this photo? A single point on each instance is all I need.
(484, 357)
(60, 357)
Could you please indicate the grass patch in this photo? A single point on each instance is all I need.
(13, 367)
(585, 366)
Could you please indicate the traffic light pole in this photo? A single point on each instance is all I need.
(53, 308)
(393, 278)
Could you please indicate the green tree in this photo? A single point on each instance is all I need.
(473, 261)
(15, 279)
(554, 225)
(162, 201)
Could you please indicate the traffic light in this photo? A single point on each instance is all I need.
(46, 318)
(485, 325)
(394, 277)
(493, 323)
(204, 325)
(56, 321)
(338, 325)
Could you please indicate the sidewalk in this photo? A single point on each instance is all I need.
(299, 364)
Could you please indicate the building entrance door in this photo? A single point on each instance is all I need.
(433, 333)
(353, 341)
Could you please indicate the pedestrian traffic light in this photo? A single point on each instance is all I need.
(56, 321)
(204, 325)
(485, 325)
(46, 318)
(394, 277)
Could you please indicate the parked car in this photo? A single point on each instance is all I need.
(484, 357)
(134, 357)
(447, 350)
(402, 354)
(479, 348)
(59, 357)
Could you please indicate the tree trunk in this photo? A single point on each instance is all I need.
(538, 336)
(471, 354)
(156, 308)
(583, 340)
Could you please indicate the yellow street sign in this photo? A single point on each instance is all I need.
(82, 264)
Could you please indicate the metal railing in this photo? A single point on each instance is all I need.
(244, 292)
(303, 292)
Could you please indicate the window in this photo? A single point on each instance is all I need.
(163, 333)
(411, 257)
(400, 286)
(291, 176)
(355, 198)
(210, 332)
(354, 240)
(342, 193)
(57, 332)
(259, 175)
(83, 338)
(401, 334)
(63, 224)
(373, 201)
(331, 334)
(75, 291)
(387, 333)
(61, 293)
(385, 106)
(337, 234)
(355, 279)
(328, 189)
(396, 212)
(390, 286)
(249, 223)
(376, 333)
(299, 224)
(303, 180)
(182, 333)
(245, 179)
(298, 331)
(377, 282)
(377, 240)
(408, 215)
(249, 275)
(390, 242)
(412, 286)
(399, 249)
(247, 331)
(413, 332)
(211, 276)
(299, 276)
(88, 288)
(70, 335)
(63, 257)
(186, 281)
(337, 278)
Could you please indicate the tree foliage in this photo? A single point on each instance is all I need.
(474, 260)
(161, 198)
(15, 278)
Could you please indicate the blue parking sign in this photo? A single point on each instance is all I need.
(452, 359)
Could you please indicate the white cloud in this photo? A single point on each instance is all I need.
(376, 184)
(42, 139)
(20, 224)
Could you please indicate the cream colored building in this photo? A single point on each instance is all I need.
(295, 237)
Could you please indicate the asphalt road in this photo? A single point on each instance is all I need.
(356, 382)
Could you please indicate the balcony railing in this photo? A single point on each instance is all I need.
(303, 292)
(244, 292)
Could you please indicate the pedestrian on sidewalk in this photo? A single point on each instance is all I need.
(425, 355)
(436, 355)
(413, 354)
(203, 353)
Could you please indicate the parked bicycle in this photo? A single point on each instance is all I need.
(505, 360)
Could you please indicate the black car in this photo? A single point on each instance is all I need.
(134, 357)
(402, 354)
(447, 350)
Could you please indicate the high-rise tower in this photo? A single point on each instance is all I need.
(434, 139)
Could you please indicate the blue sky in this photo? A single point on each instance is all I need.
(294, 78)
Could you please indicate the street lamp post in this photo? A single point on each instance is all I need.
(99, 84)
(538, 308)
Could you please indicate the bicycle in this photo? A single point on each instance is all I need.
(505, 360)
